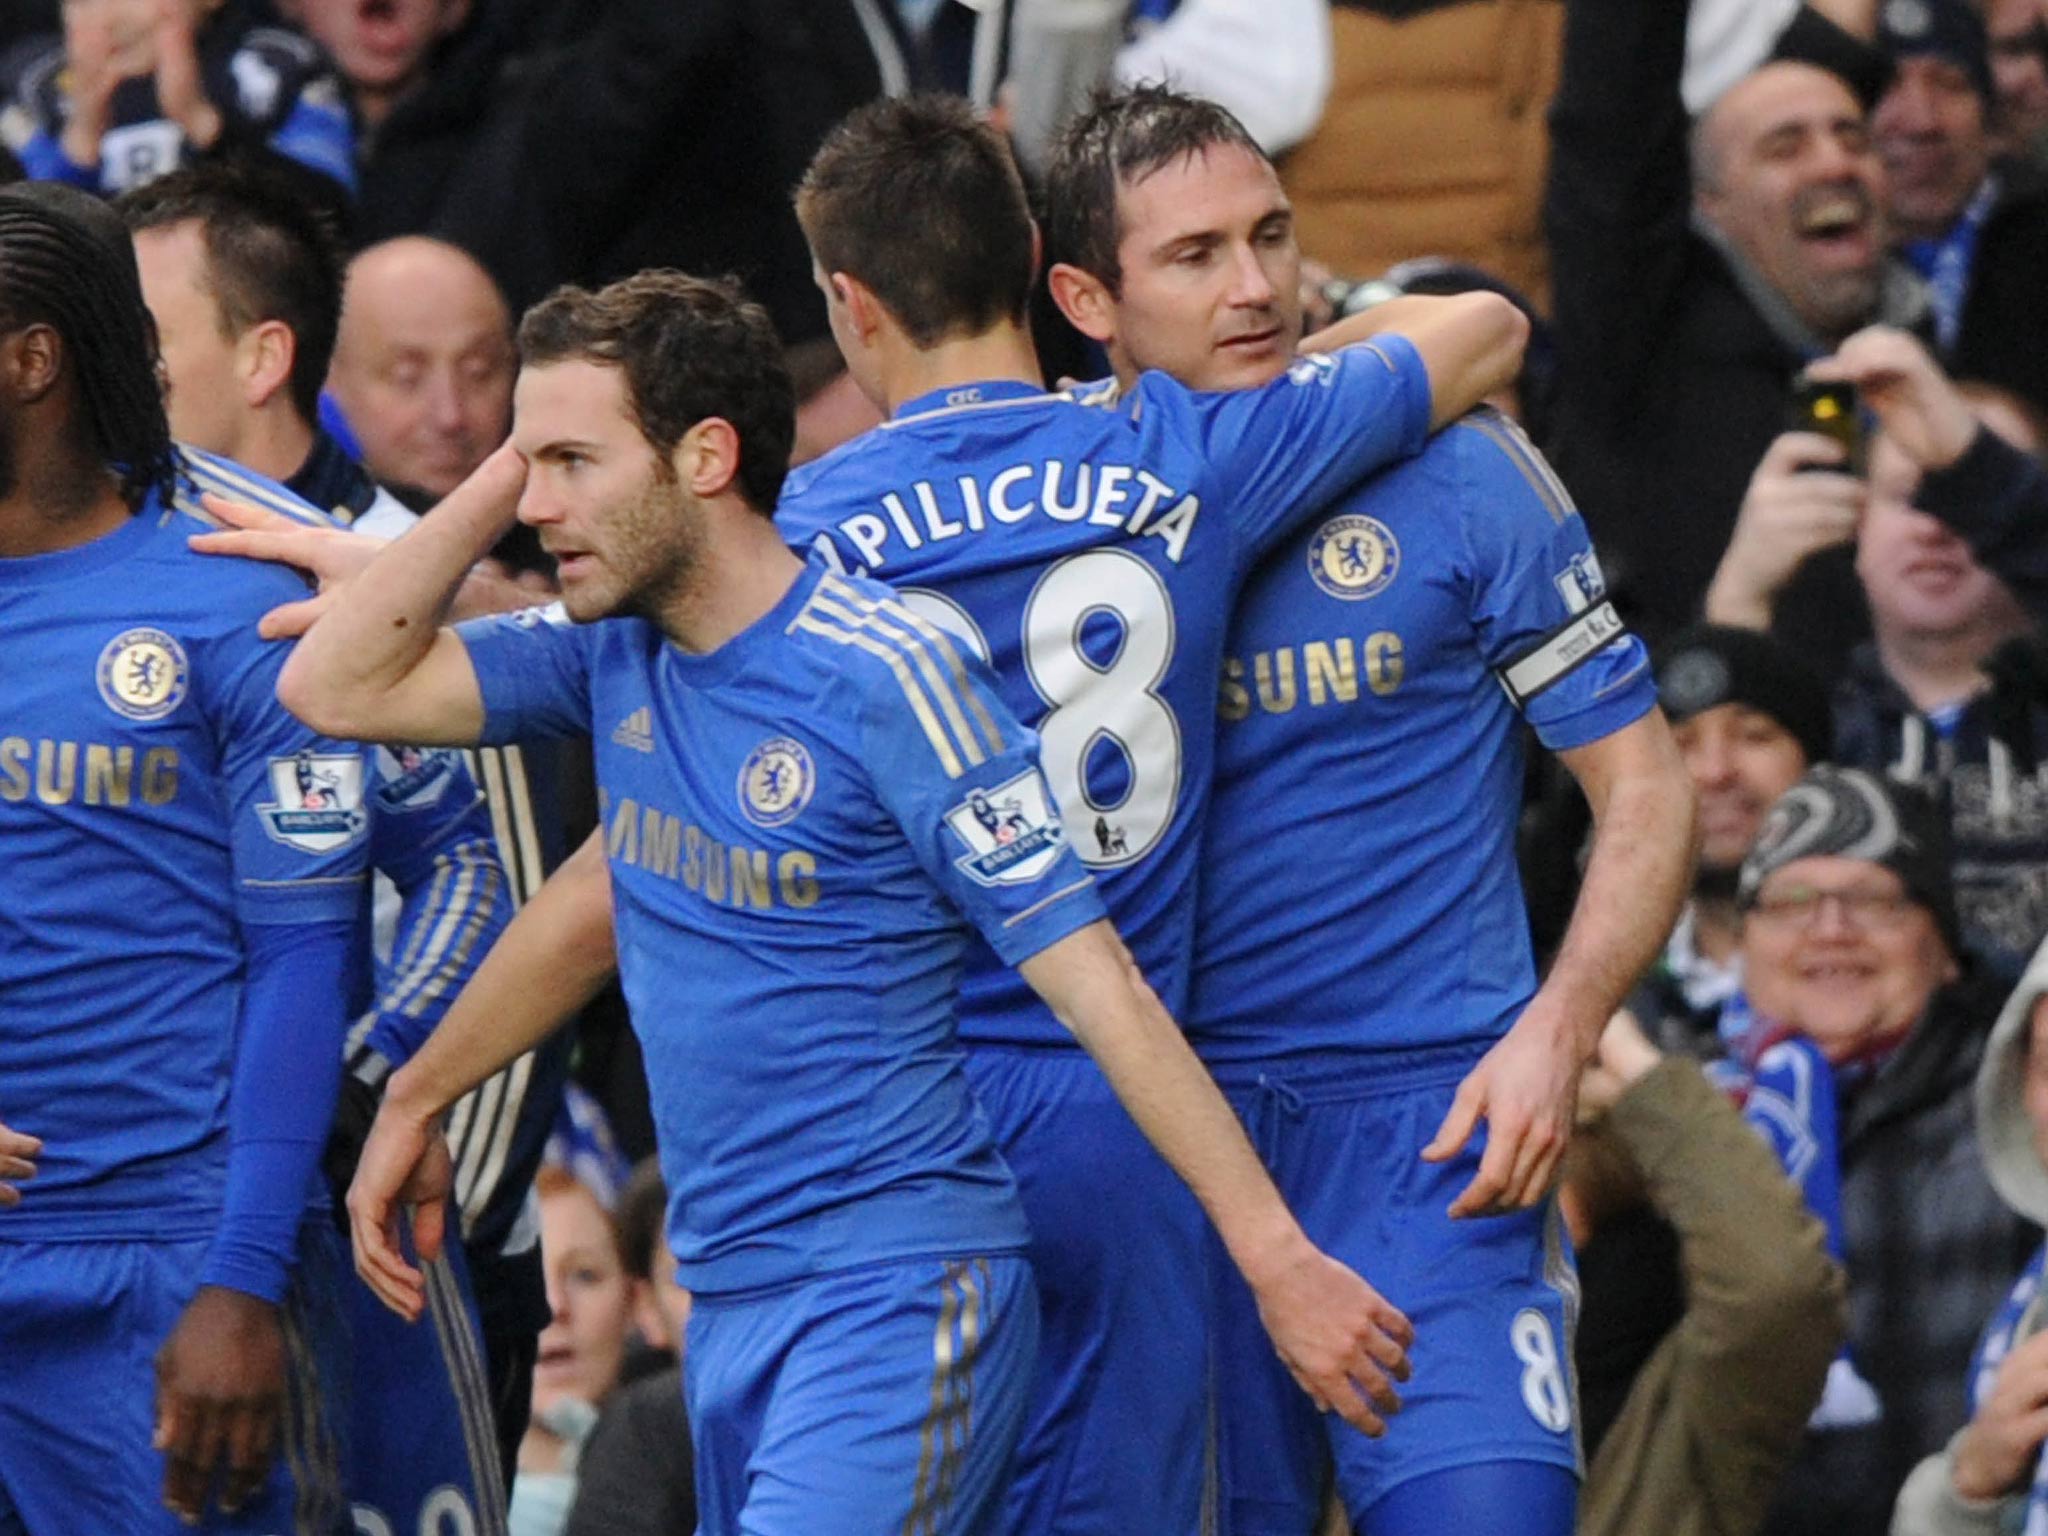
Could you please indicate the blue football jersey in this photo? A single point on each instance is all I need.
(155, 801)
(1359, 888)
(800, 827)
(1089, 547)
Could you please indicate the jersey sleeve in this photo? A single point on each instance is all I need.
(533, 669)
(431, 835)
(961, 777)
(1279, 454)
(1539, 602)
(297, 818)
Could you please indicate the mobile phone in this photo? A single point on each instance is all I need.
(1833, 411)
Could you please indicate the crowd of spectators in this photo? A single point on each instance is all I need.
(339, 208)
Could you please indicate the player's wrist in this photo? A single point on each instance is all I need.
(1267, 1260)
(411, 1098)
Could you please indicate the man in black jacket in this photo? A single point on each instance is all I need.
(1696, 268)
(1973, 226)
(582, 143)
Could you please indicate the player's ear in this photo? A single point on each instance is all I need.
(1084, 299)
(265, 356)
(863, 309)
(707, 458)
(31, 362)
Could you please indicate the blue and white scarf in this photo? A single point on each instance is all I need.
(1788, 1097)
(1948, 262)
(1992, 1349)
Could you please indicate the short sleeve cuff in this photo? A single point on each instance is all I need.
(500, 680)
(1066, 909)
(1606, 694)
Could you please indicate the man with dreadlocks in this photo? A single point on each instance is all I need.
(183, 875)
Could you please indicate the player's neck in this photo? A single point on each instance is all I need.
(58, 502)
(743, 571)
(1002, 352)
(273, 441)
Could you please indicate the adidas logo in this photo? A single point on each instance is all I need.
(636, 730)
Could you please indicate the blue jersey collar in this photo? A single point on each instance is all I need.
(956, 397)
(725, 663)
(84, 559)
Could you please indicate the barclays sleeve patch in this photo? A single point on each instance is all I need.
(318, 801)
(414, 778)
(1011, 832)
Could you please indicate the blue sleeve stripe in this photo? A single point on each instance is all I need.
(445, 871)
(1522, 453)
(895, 621)
(898, 649)
(446, 957)
(207, 472)
(935, 734)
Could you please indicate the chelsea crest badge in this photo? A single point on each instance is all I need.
(143, 674)
(776, 782)
(1353, 557)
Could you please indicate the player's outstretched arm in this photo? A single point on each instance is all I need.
(551, 960)
(330, 556)
(377, 665)
(1344, 1343)
(1471, 344)
(17, 1163)
(1526, 1087)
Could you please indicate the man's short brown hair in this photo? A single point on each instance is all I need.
(921, 201)
(691, 348)
(1123, 137)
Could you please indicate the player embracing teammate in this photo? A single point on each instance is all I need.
(803, 946)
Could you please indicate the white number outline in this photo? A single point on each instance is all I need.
(1098, 571)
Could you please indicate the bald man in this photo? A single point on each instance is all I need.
(1696, 270)
(423, 365)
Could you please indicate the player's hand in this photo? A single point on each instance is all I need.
(1917, 406)
(179, 90)
(1345, 1343)
(332, 557)
(1796, 506)
(17, 1163)
(404, 1162)
(220, 1390)
(1998, 1448)
(1526, 1090)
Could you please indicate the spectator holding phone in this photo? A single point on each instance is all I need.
(1948, 691)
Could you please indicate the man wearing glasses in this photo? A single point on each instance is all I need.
(1850, 949)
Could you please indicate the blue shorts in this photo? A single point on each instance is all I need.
(423, 1450)
(1118, 1435)
(80, 1325)
(885, 1398)
(1494, 1302)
